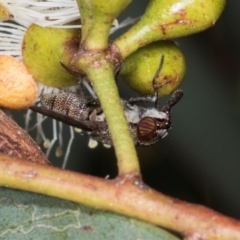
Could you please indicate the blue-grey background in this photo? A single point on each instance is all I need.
(199, 161)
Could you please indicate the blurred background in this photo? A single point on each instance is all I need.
(199, 161)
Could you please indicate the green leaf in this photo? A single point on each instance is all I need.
(27, 215)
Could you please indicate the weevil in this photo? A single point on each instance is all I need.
(147, 125)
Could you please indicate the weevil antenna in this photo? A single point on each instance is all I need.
(177, 95)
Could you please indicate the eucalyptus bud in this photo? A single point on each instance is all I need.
(169, 19)
(139, 69)
(44, 49)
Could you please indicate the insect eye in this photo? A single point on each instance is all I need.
(146, 128)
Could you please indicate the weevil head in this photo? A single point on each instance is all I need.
(151, 129)
(146, 128)
(155, 124)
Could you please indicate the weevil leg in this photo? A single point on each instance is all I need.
(131, 101)
(156, 87)
(154, 82)
(76, 75)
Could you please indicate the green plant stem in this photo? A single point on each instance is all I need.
(125, 195)
(94, 25)
(93, 59)
(100, 74)
(85, 8)
(97, 18)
